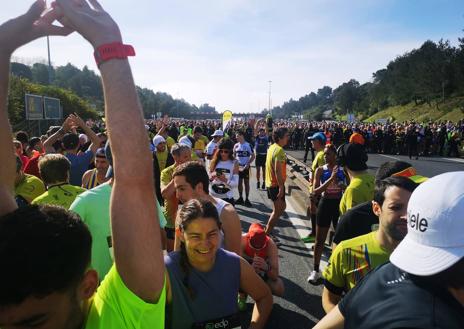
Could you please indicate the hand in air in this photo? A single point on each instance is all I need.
(37, 22)
(89, 19)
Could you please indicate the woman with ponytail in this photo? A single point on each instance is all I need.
(204, 280)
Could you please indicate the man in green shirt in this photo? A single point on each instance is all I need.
(353, 158)
(26, 187)
(45, 279)
(54, 170)
(353, 259)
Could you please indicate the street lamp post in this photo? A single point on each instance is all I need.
(269, 104)
(49, 62)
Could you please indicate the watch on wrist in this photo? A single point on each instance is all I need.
(113, 50)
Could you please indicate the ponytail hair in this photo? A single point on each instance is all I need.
(190, 211)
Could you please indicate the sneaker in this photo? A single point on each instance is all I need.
(239, 201)
(263, 186)
(248, 204)
(242, 305)
(257, 185)
(309, 239)
(314, 277)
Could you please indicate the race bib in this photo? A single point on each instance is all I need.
(228, 322)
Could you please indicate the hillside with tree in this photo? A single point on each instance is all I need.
(85, 88)
(431, 77)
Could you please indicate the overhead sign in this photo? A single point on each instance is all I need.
(52, 108)
(350, 117)
(34, 107)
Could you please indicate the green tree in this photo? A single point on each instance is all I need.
(40, 73)
(21, 70)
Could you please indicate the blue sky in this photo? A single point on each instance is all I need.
(224, 52)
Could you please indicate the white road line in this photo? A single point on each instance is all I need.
(448, 159)
(390, 156)
(301, 226)
(454, 160)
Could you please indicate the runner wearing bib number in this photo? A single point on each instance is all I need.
(204, 279)
(329, 183)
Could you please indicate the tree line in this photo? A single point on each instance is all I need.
(81, 91)
(430, 75)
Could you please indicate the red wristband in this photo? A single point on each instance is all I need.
(112, 50)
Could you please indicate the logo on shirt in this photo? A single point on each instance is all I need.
(417, 223)
(223, 324)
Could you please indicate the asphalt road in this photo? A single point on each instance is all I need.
(425, 166)
(301, 305)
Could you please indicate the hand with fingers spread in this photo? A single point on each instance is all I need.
(90, 20)
(37, 22)
(77, 121)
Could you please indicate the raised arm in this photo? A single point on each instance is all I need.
(13, 34)
(48, 144)
(94, 139)
(134, 219)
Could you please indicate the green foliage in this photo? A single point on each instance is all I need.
(87, 85)
(429, 75)
(21, 70)
(452, 109)
(70, 102)
(40, 73)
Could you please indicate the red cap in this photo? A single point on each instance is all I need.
(257, 235)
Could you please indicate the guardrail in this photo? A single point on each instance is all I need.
(300, 172)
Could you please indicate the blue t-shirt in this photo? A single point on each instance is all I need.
(243, 153)
(79, 165)
(215, 292)
(262, 144)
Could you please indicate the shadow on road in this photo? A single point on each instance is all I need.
(280, 318)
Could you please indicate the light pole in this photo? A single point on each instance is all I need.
(269, 104)
(49, 62)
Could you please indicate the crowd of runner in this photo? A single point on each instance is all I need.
(130, 223)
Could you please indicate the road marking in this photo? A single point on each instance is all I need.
(301, 227)
(391, 157)
(447, 159)
(454, 160)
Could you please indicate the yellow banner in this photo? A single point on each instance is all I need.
(226, 119)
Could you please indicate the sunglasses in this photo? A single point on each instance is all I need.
(224, 151)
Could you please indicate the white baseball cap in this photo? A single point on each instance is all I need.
(186, 141)
(218, 133)
(158, 139)
(435, 239)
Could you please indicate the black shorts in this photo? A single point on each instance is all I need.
(328, 212)
(260, 160)
(272, 193)
(170, 233)
(245, 174)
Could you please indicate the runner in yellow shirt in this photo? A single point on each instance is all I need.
(361, 188)
(353, 259)
(26, 187)
(54, 169)
(276, 174)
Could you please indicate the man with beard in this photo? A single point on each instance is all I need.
(423, 285)
(353, 259)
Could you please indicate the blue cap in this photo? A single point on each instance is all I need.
(320, 136)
